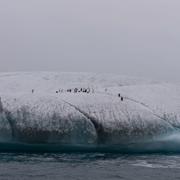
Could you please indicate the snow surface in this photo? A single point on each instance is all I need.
(150, 109)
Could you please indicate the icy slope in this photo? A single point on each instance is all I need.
(49, 81)
(150, 110)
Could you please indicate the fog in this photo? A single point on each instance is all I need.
(137, 38)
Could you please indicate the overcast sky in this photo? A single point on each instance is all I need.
(131, 37)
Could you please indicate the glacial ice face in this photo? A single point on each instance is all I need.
(44, 120)
(82, 121)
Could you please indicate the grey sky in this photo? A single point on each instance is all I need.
(132, 37)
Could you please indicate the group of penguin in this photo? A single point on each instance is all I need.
(119, 95)
(75, 90)
(84, 90)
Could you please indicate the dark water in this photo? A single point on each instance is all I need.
(88, 166)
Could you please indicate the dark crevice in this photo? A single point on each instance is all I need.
(101, 134)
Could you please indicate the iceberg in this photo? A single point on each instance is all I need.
(41, 111)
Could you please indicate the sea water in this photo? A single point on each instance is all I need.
(89, 166)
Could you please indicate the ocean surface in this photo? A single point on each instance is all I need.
(89, 166)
